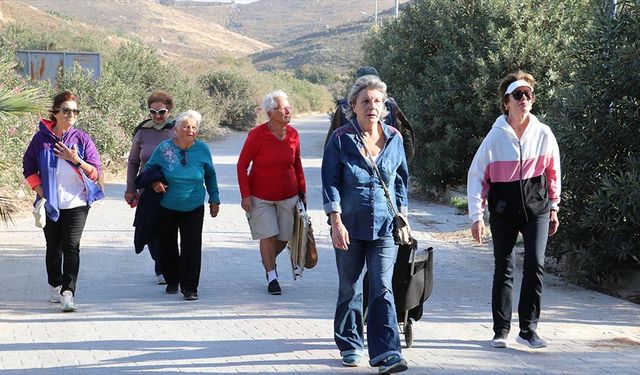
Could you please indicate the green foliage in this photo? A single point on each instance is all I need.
(303, 95)
(460, 203)
(598, 119)
(138, 70)
(443, 62)
(235, 95)
(63, 38)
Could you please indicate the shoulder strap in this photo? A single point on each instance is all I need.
(392, 206)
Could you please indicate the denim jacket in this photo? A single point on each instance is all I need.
(351, 187)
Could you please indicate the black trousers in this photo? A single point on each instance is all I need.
(535, 233)
(181, 265)
(63, 247)
(153, 247)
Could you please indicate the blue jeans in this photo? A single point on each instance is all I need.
(383, 338)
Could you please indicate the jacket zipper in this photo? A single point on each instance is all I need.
(524, 207)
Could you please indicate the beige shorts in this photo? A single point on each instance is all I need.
(272, 218)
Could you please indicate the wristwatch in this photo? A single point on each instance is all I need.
(78, 164)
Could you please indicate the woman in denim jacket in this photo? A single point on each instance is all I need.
(361, 224)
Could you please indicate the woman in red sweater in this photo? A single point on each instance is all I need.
(273, 184)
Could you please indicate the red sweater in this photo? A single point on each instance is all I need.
(276, 169)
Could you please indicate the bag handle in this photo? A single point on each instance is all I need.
(390, 203)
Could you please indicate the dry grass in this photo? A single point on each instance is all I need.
(177, 35)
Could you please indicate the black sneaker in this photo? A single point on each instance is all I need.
(499, 340)
(392, 364)
(190, 296)
(274, 287)
(171, 289)
(531, 339)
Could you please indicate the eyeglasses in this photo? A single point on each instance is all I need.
(68, 111)
(285, 108)
(517, 95)
(183, 157)
(160, 112)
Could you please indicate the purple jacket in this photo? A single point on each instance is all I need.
(39, 164)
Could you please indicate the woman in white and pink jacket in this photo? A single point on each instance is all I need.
(516, 172)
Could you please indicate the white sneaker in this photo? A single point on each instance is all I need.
(161, 280)
(55, 293)
(68, 304)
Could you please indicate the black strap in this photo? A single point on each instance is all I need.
(392, 206)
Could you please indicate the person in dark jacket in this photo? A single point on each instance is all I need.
(62, 165)
(148, 208)
(395, 117)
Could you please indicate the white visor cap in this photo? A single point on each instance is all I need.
(516, 84)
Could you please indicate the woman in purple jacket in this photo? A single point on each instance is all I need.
(62, 165)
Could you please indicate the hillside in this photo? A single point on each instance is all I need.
(338, 47)
(176, 34)
(15, 12)
(277, 22)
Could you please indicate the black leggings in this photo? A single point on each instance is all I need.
(535, 233)
(181, 266)
(63, 247)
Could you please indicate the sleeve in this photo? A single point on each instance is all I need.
(155, 157)
(133, 163)
(401, 186)
(552, 172)
(211, 179)
(30, 169)
(405, 128)
(297, 166)
(92, 156)
(478, 181)
(336, 121)
(244, 160)
(331, 171)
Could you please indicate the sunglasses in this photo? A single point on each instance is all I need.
(517, 95)
(160, 112)
(68, 111)
(183, 157)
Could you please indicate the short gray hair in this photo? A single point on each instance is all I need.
(366, 82)
(190, 114)
(269, 101)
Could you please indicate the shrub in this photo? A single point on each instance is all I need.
(235, 95)
(598, 119)
(443, 62)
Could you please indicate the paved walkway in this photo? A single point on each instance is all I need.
(127, 324)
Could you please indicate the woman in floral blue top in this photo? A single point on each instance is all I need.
(188, 168)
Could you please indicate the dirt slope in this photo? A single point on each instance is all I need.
(176, 34)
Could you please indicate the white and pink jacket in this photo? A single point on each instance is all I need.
(517, 178)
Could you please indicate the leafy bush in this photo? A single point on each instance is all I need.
(235, 95)
(443, 62)
(460, 203)
(598, 116)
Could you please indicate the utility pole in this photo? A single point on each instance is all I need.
(375, 17)
(395, 14)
